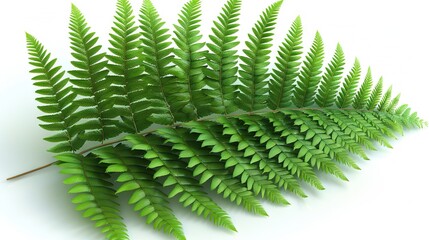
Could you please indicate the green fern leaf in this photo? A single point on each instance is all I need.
(309, 77)
(210, 134)
(321, 139)
(331, 80)
(94, 193)
(254, 73)
(348, 89)
(147, 197)
(361, 99)
(166, 97)
(287, 68)
(385, 101)
(334, 130)
(164, 162)
(253, 149)
(222, 60)
(125, 65)
(278, 150)
(90, 82)
(208, 167)
(349, 86)
(180, 104)
(307, 150)
(190, 60)
(56, 98)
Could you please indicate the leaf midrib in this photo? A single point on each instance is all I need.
(216, 116)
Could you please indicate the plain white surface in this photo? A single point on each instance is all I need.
(387, 199)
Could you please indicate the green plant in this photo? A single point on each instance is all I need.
(166, 115)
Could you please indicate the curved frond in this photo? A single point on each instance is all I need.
(147, 197)
(175, 174)
(95, 196)
(56, 98)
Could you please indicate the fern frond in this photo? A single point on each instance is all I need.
(210, 135)
(361, 99)
(385, 101)
(180, 104)
(336, 132)
(95, 196)
(371, 131)
(375, 97)
(331, 80)
(373, 119)
(349, 86)
(162, 91)
(90, 82)
(175, 174)
(222, 61)
(254, 68)
(208, 167)
(277, 149)
(147, 197)
(349, 127)
(393, 104)
(126, 70)
(307, 151)
(309, 76)
(287, 68)
(321, 139)
(190, 60)
(56, 98)
(256, 151)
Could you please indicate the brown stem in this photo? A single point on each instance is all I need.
(31, 171)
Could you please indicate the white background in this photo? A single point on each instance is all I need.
(387, 199)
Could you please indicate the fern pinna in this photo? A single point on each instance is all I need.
(172, 112)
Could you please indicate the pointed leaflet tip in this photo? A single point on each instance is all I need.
(232, 227)
(147, 3)
(297, 23)
(28, 35)
(30, 38)
(357, 61)
(339, 48)
(75, 10)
